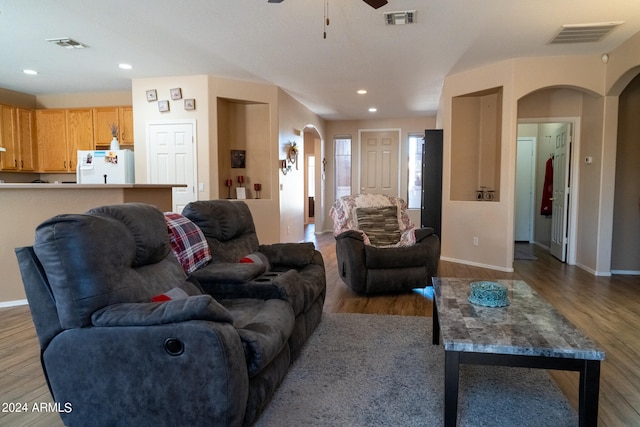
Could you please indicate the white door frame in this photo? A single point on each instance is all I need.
(191, 122)
(573, 178)
(360, 132)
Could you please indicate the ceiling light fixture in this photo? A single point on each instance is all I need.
(373, 109)
(362, 91)
(30, 72)
(125, 66)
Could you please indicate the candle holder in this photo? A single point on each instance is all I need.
(229, 184)
(257, 188)
(240, 180)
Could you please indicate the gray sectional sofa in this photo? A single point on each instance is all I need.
(134, 332)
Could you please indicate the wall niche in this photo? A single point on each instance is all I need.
(476, 128)
(243, 127)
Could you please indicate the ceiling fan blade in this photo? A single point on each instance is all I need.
(376, 4)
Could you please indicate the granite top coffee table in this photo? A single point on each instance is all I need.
(528, 332)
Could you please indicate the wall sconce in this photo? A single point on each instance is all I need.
(284, 168)
(292, 154)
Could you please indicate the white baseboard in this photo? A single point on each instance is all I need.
(626, 272)
(477, 264)
(4, 304)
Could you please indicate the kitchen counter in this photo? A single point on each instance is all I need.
(54, 185)
(25, 206)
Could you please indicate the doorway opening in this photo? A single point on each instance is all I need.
(545, 213)
(313, 176)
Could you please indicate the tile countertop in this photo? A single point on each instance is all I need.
(529, 325)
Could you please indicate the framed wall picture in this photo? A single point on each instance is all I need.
(190, 104)
(152, 95)
(176, 93)
(163, 106)
(238, 158)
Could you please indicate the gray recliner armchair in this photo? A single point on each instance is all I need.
(378, 249)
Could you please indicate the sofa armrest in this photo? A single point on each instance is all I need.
(198, 307)
(350, 254)
(293, 255)
(423, 233)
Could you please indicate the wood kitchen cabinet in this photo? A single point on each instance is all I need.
(51, 131)
(17, 136)
(27, 154)
(79, 133)
(61, 133)
(103, 117)
(8, 139)
(125, 115)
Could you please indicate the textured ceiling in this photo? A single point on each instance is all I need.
(402, 67)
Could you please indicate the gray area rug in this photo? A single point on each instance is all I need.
(374, 370)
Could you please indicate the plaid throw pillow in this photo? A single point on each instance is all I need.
(187, 242)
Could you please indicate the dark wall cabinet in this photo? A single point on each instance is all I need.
(431, 212)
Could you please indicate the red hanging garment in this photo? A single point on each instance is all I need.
(547, 189)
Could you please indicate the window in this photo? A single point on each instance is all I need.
(414, 186)
(343, 166)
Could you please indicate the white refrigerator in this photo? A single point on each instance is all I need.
(105, 167)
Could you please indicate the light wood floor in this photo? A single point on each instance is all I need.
(607, 309)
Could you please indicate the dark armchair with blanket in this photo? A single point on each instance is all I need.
(377, 247)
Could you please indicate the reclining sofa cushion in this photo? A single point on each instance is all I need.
(228, 227)
(264, 327)
(199, 307)
(112, 255)
(228, 272)
(289, 255)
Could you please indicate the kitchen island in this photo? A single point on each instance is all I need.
(24, 206)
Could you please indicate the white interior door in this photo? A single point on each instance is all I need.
(559, 217)
(379, 154)
(525, 180)
(171, 159)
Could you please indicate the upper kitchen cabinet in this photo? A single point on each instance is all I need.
(105, 117)
(61, 133)
(80, 132)
(51, 133)
(126, 125)
(8, 139)
(27, 153)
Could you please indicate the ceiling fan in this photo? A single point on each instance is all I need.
(376, 4)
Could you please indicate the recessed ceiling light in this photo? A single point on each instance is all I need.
(362, 91)
(30, 72)
(125, 66)
(373, 109)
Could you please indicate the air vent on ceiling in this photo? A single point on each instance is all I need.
(584, 33)
(68, 43)
(400, 18)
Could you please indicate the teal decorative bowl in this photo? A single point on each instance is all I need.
(488, 294)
